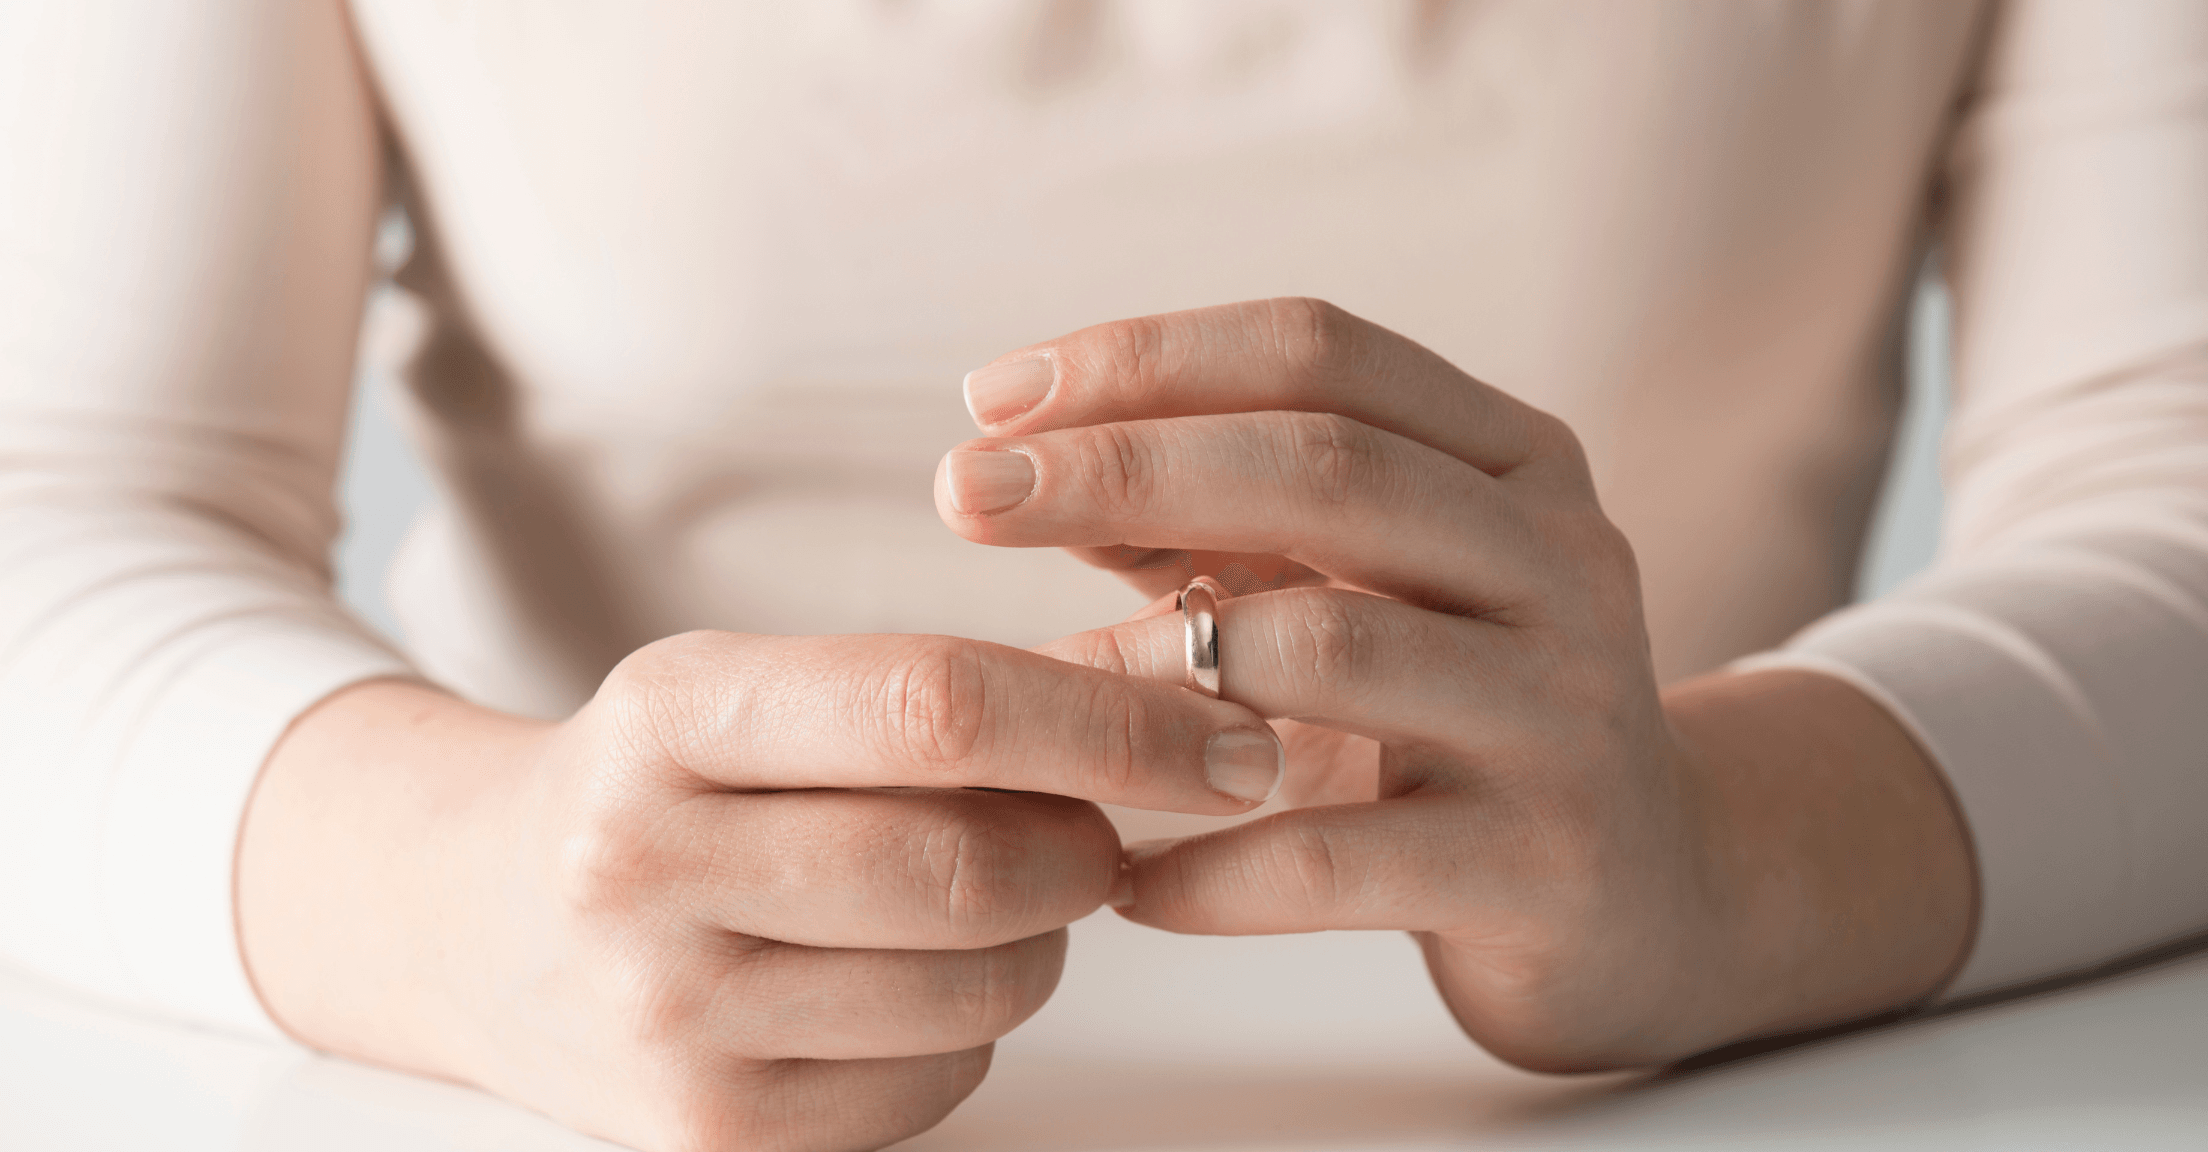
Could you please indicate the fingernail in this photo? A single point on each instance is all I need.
(1245, 764)
(988, 481)
(1001, 391)
(1122, 894)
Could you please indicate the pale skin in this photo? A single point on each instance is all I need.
(675, 921)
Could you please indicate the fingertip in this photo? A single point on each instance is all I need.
(1122, 893)
(966, 394)
(1246, 764)
(987, 481)
(1151, 647)
(1136, 875)
(946, 500)
(998, 393)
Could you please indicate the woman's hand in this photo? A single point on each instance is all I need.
(746, 898)
(1459, 627)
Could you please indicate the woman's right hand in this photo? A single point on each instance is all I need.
(745, 898)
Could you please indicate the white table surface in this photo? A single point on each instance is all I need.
(1157, 1042)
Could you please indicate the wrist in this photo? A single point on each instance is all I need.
(1843, 872)
(353, 866)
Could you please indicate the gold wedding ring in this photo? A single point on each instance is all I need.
(1199, 604)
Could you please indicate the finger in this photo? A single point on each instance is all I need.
(813, 1105)
(840, 869)
(1348, 660)
(771, 712)
(1293, 354)
(1418, 863)
(1359, 504)
(1154, 571)
(849, 1004)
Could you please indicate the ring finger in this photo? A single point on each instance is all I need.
(1346, 660)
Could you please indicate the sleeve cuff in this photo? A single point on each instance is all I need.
(182, 778)
(2036, 780)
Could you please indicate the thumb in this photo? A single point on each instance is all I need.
(1356, 866)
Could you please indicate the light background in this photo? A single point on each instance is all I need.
(383, 485)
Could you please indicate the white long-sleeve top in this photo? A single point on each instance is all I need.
(693, 287)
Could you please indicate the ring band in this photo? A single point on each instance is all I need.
(1199, 604)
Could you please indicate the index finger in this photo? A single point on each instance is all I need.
(1291, 354)
(780, 712)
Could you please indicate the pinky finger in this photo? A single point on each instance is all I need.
(1395, 864)
(822, 1105)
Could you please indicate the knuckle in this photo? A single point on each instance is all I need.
(1101, 648)
(1132, 352)
(1117, 470)
(1328, 636)
(655, 700)
(1316, 339)
(1550, 437)
(634, 694)
(1575, 536)
(654, 664)
(614, 862)
(1615, 571)
(1119, 721)
(1334, 457)
(930, 706)
(1307, 867)
(1014, 980)
(1002, 988)
(970, 864)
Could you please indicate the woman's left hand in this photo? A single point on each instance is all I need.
(1433, 581)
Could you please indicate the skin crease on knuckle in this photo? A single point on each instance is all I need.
(1331, 462)
(623, 846)
(1010, 985)
(989, 992)
(1305, 870)
(1118, 475)
(674, 694)
(1326, 636)
(973, 866)
(1120, 742)
(618, 860)
(928, 705)
(1130, 354)
(1315, 340)
(987, 868)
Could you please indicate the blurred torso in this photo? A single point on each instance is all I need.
(694, 285)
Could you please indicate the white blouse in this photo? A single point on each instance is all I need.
(694, 285)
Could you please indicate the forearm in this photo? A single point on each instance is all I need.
(1846, 870)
